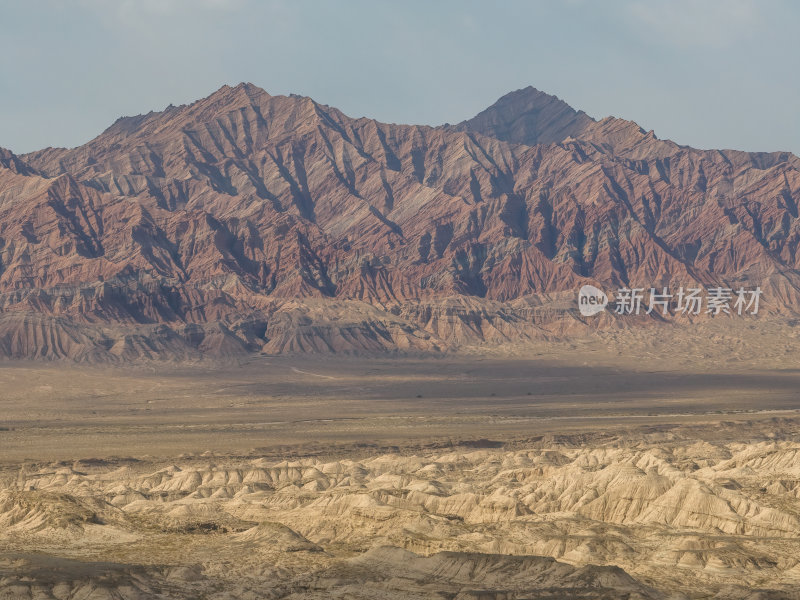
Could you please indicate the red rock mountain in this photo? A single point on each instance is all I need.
(246, 222)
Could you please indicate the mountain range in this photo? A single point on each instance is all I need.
(250, 223)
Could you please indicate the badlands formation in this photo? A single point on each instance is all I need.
(576, 475)
(649, 514)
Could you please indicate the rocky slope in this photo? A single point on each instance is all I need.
(248, 222)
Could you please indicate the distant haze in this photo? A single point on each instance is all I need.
(712, 74)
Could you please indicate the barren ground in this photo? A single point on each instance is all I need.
(643, 473)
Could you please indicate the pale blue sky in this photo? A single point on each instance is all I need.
(710, 73)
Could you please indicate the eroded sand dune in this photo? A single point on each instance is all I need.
(631, 517)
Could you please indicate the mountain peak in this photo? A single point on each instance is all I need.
(222, 100)
(244, 86)
(9, 160)
(242, 92)
(528, 116)
(529, 94)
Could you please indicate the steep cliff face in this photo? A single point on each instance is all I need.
(246, 221)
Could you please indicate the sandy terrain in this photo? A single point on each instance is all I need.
(588, 471)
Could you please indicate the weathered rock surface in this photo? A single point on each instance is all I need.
(248, 222)
(638, 515)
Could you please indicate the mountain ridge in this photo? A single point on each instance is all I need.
(247, 222)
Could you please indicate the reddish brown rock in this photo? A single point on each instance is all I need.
(248, 222)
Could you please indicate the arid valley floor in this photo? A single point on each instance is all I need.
(608, 469)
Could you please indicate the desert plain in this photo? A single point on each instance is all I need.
(656, 464)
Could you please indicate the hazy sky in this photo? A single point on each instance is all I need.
(710, 73)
